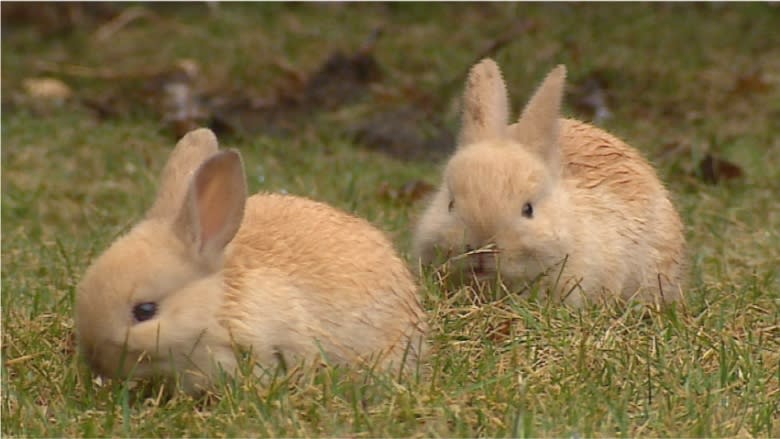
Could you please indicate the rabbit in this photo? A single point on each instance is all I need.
(551, 200)
(209, 273)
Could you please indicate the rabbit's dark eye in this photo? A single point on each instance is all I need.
(144, 311)
(451, 205)
(528, 210)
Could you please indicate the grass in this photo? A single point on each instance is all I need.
(696, 77)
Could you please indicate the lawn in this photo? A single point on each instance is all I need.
(356, 105)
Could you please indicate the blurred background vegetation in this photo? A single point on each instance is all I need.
(357, 105)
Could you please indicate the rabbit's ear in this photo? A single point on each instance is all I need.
(485, 104)
(192, 150)
(214, 206)
(539, 124)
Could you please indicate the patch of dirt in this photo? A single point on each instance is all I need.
(407, 133)
(407, 126)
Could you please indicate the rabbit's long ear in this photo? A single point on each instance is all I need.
(485, 104)
(214, 206)
(539, 124)
(192, 150)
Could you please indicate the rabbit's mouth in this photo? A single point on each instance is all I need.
(114, 360)
(480, 268)
(481, 264)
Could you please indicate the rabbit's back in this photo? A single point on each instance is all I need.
(319, 272)
(595, 159)
(618, 191)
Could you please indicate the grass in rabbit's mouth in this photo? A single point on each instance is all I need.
(690, 85)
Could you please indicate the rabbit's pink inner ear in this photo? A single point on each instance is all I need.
(485, 104)
(218, 196)
(539, 124)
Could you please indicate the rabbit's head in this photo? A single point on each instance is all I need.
(501, 207)
(148, 305)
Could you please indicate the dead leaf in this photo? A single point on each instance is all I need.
(713, 169)
(415, 190)
(408, 193)
(49, 89)
(500, 331)
(749, 83)
(387, 192)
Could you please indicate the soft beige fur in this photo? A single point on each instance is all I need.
(603, 225)
(282, 277)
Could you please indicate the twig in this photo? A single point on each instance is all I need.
(488, 249)
(116, 24)
(79, 71)
(22, 359)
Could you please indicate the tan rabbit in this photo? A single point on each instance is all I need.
(210, 272)
(552, 199)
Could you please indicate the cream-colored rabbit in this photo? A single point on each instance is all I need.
(552, 199)
(209, 271)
